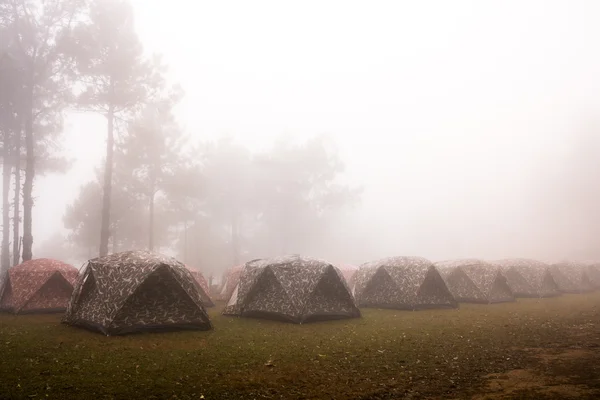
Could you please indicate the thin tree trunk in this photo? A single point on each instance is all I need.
(28, 184)
(108, 171)
(6, 170)
(151, 223)
(17, 198)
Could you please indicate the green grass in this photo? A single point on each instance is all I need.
(383, 354)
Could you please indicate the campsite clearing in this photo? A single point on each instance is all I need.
(531, 348)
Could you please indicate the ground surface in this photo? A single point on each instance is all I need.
(531, 349)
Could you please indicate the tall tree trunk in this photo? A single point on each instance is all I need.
(6, 170)
(28, 184)
(108, 171)
(17, 199)
(151, 222)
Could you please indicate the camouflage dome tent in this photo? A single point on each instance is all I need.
(291, 288)
(571, 277)
(593, 272)
(38, 286)
(528, 278)
(136, 291)
(230, 281)
(475, 281)
(592, 269)
(204, 293)
(406, 283)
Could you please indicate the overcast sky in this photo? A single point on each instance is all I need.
(444, 110)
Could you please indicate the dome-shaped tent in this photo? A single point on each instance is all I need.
(231, 278)
(205, 292)
(40, 285)
(409, 283)
(348, 272)
(291, 288)
(571, 277)
(528, 278)
(475, 281)
(136, 291)
(594, 275)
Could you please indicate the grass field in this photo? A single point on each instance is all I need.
(538, 349)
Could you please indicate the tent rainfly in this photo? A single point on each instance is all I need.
(408, 283)
(38, 286)
(528, 278)
(291, 288)
(475, 281)
(571, 277)
(204, 292)
(136, 291)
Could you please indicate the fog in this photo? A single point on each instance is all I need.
(468, 124)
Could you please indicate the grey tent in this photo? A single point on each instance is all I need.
(528, 278)
(475, 281)
(593, 272)
(136, 291)
(592, 268)
(408, 283)
(571, 277)
(291, 288)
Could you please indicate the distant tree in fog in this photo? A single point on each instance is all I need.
(82, 219)
(297, 189)
(115, 79)
(10, 100)
(184, 194)
(234, 204)
(259, 205)
(151, 156)
(129, 216)
(230, 182)
(56, 247)
(34, 31)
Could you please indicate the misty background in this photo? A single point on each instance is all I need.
(471, 127)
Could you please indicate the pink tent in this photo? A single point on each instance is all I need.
(204, 285)
(40, 285)
(348, 272)
(230, 281)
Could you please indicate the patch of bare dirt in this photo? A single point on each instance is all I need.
(528, 383)
(557, 376)
(566, 355)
